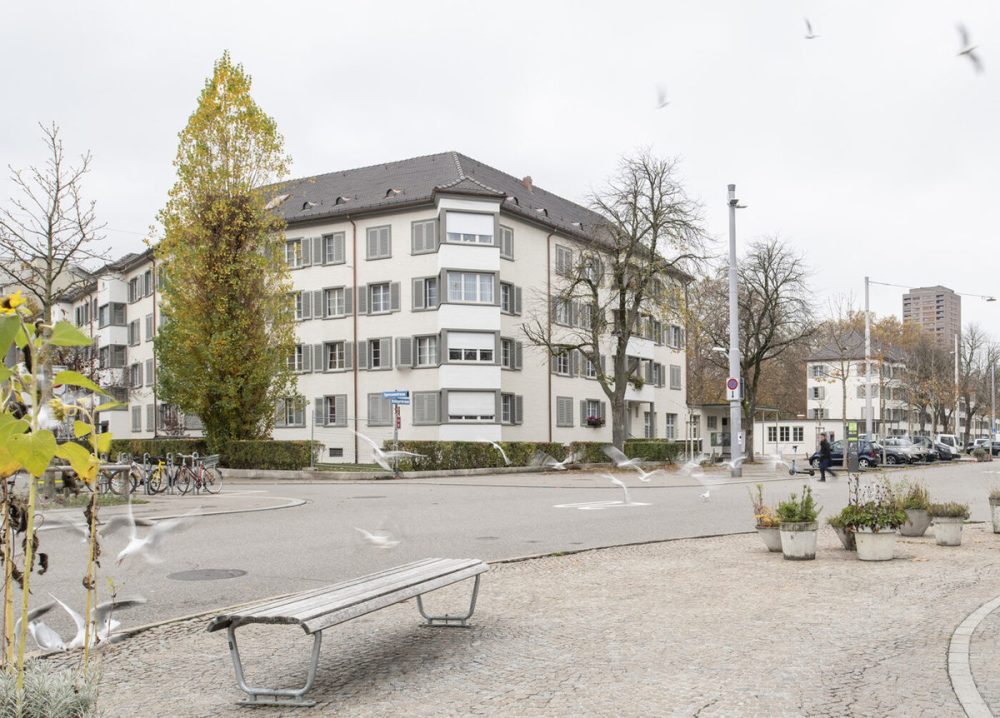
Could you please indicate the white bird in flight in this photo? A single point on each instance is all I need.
(619, 482)
(543, 459)
(968, 49)
(46, 638)
(146, 545)
(810, 35)
(378, 539)
(661, 97)
(707, 495)
(382, 458)
(693, 464)
(49, 640)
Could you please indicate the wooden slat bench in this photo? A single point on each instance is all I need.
(317, 609)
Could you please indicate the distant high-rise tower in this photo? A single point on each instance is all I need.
(938, 310)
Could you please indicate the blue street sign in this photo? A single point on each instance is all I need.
(400, 400)
(396, 394)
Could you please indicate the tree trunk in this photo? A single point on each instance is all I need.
(618, 419)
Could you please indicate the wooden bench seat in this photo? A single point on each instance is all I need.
(317, 609)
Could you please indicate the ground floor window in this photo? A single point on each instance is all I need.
(671, 426)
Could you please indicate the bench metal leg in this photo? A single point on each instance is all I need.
(448, 619)
(274, 696)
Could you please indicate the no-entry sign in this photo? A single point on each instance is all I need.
(732, 389)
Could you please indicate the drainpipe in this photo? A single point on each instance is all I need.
(548, 320)
(354, 313)
(155, 363)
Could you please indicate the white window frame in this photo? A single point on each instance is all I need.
(381, 252)
(459, 354)
(297, 299)
(562, 363)
(331, 303)
(479, 290)
(293, 253)
(506, 297)
(425, 351)
(472, 418)
(385, 300)
(798, 434)
(296, 360)
(469, 237)
(671, 426)
(335, 351)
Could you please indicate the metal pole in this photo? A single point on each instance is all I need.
(993, 403)
(735, 407)
(957, 429)
(868, 367)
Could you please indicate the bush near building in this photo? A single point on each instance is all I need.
(251, 454)
(444, 455)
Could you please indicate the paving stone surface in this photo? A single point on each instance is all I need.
(984, 657)
(703, 627)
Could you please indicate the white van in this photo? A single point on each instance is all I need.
(952, 442)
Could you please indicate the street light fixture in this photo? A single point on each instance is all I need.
(735, 405)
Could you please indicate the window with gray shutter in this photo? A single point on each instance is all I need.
(517, 300)
(418, 293)
(363, 299)
(379, 244)
(426, 408)
(379, 410)
(518, 351)
(404, 352)
(317, 248)
(349, 355)
(506, 242)
(518, 409)
(150, 417)
(424, 236)
(136, 418)
(675, 376)
(349, 300)
(333, 248)
(564, 411)
(149, 372)
(363, 355)
(583, 412)
(306, 251)
(306, 298)
(394, 297)
(319, 411)
(340, 410)
(564, 260)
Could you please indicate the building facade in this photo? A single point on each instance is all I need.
(413, 276)
(937, 310)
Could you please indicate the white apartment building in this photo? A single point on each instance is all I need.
(414, 275)
(835, 375)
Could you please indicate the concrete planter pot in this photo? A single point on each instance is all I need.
(995, 513)
(948, 530)
(846, 537)
(917, 522)
(798, 540)
(875, 545)
(771, 536)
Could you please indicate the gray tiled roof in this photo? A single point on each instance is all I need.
(851, 346)
(415, 181)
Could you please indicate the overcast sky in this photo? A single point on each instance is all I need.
(873, 148)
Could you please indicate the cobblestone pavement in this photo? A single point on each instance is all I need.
(984, 655)
(699, 627)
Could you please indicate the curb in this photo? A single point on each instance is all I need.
(959, 667)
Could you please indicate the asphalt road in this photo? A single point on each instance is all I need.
(484, 517)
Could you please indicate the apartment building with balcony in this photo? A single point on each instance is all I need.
(414, 275)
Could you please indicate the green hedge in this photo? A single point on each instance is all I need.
(441, 455)
(254, 454)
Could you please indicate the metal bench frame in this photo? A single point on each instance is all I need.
(295, 696)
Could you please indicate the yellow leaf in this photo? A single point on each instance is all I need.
(81, 428)
(83, 462)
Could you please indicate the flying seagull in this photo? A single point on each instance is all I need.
(146, 545)
(707, 495)
(382, 458)
(661, 97)
(543, 459)
(106, 625)
(968, 49)
(503, 453)
(378, 539)
(45, 637)
(619, 459)
(619, 482)
(810, 35)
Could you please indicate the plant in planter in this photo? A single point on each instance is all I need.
(843, 525)
(914, 499)
(875, 523)
(948, 519)
(595, 421)
(768, 525)
(995, 508)
(798, 526)
(980, 454)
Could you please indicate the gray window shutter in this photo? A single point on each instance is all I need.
(306, 304)
(362, 355)
(338, 247)
(306, 251)
(306, 358)
(574, 313)
(518, 409)
(318, 243)
(340, 408)
(349, 300)
(394, 296)
(649, 372)
(319, 418)
(417, 238)
(437, 294)
(139, 367)
(363, 299)
(518, 355)
(583, 412)
(372, 409)
(604, 410)
(552, 364)
(385, 348)
(319, 311)
(517, 300)
(574, 363)
(497, 407)
(319, 358)
(404, 352)
(418, 293)
(150, 417)
(348, 355)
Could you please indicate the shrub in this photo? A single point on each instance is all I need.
(995, 493)
(268, 454)
(157, 448)
(950, 510)
(912, 496)
(980, 453)
(654, 449)
(762, 513)
(794, 510)
(49, 693)
(875, 515)
(845, 519)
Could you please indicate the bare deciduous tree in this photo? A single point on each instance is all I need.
(775, 315)
(49, 231)
(624, 280)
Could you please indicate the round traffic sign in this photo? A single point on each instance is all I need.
(732, 384)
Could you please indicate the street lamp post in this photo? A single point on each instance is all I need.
(735, 403)
(868, 366)
(957, 358)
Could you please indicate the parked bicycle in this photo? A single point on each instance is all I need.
(200, 474)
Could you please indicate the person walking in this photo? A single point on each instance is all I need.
(824, 458)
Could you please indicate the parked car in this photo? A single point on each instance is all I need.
(869, 455)
(952, 442)
(984, 444)
(944, 452)
(932, 453)
(901, 451)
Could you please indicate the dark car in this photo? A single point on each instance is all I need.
(930, 448)
(869, 455)
(944, 452)
(894, 454)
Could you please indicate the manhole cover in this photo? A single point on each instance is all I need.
(207, 574)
